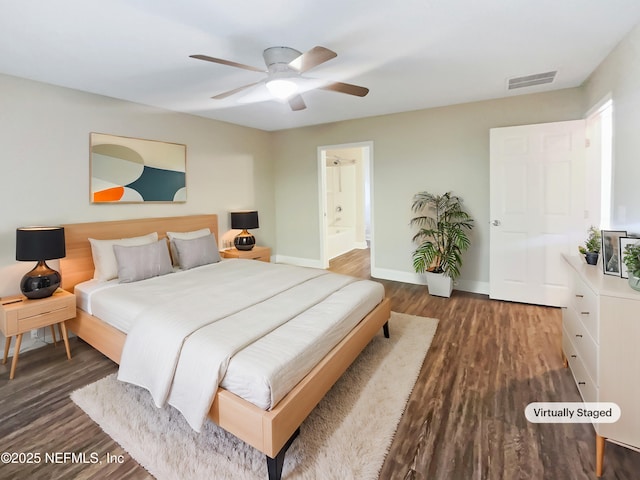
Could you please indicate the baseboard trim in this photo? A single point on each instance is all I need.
(398, 276)
(301, 262)
(394, 275)
(417, 279)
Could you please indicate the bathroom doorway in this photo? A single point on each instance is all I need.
(345, 197)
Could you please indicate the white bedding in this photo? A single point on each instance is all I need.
(254, 328)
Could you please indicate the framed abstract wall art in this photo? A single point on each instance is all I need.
(133, 170)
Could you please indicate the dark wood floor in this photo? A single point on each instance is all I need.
(464, 420)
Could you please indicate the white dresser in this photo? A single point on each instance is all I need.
(601, 345)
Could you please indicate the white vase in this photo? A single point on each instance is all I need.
(439, 284)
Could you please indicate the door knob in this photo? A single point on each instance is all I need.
(496, 223)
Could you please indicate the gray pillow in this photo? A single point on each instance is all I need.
(184, 236)
(197, 251)
(142, 261)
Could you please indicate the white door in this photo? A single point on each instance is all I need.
(536, 208)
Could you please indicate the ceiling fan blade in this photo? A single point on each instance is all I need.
(346, 88)
(312, 58)
(227, 62)
(222, 95)
(297, 103)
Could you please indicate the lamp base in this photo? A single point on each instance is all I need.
(244, 241)
(40, 282)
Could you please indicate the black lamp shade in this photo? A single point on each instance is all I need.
(244, 220)
(40, 244)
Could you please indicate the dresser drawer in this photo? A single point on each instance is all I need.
(586, 385)
(585, 346)
(585, 302)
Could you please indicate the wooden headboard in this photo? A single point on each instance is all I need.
(77, 266)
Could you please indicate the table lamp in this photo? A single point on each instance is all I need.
(244, 221)
(40, 244)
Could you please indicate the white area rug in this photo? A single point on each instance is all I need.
(347, 436)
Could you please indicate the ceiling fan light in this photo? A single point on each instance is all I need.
(282, 88)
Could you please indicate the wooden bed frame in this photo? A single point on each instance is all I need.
(271, 432)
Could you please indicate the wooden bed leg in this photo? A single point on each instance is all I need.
(274, 465)
(385, 329)
(599, 454)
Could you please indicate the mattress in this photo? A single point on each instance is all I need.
(304, 312)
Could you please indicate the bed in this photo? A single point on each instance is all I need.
(270, 431)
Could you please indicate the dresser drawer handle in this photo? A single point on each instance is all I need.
(579, 296)
(574, 356)
(582, 383)
(584, 313)
(579, 335)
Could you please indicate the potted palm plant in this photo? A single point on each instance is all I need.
(441, 238)
(592, 246)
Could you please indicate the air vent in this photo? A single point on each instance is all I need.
(531, 80)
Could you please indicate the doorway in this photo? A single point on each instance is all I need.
(345, 199)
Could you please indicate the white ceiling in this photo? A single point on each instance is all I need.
(411, 54)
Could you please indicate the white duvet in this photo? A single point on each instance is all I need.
(256, 322)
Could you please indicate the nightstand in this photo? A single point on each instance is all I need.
(256, 253)
(19, 315)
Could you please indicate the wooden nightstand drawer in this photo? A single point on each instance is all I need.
(19, 315)
(27, 315)
(262, 254)
(45, 318)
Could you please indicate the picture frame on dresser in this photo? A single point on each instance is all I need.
(611, 259)
(624, 241)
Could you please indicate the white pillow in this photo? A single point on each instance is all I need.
(197, 251)
(142, 261)
(104, 259)
(203, 232)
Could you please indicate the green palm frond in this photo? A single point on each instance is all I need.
(441, 236)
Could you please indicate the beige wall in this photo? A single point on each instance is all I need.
(44, 148)
(437, 150)
(44, 154)
(619, 76)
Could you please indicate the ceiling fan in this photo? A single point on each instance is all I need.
(284, 80)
